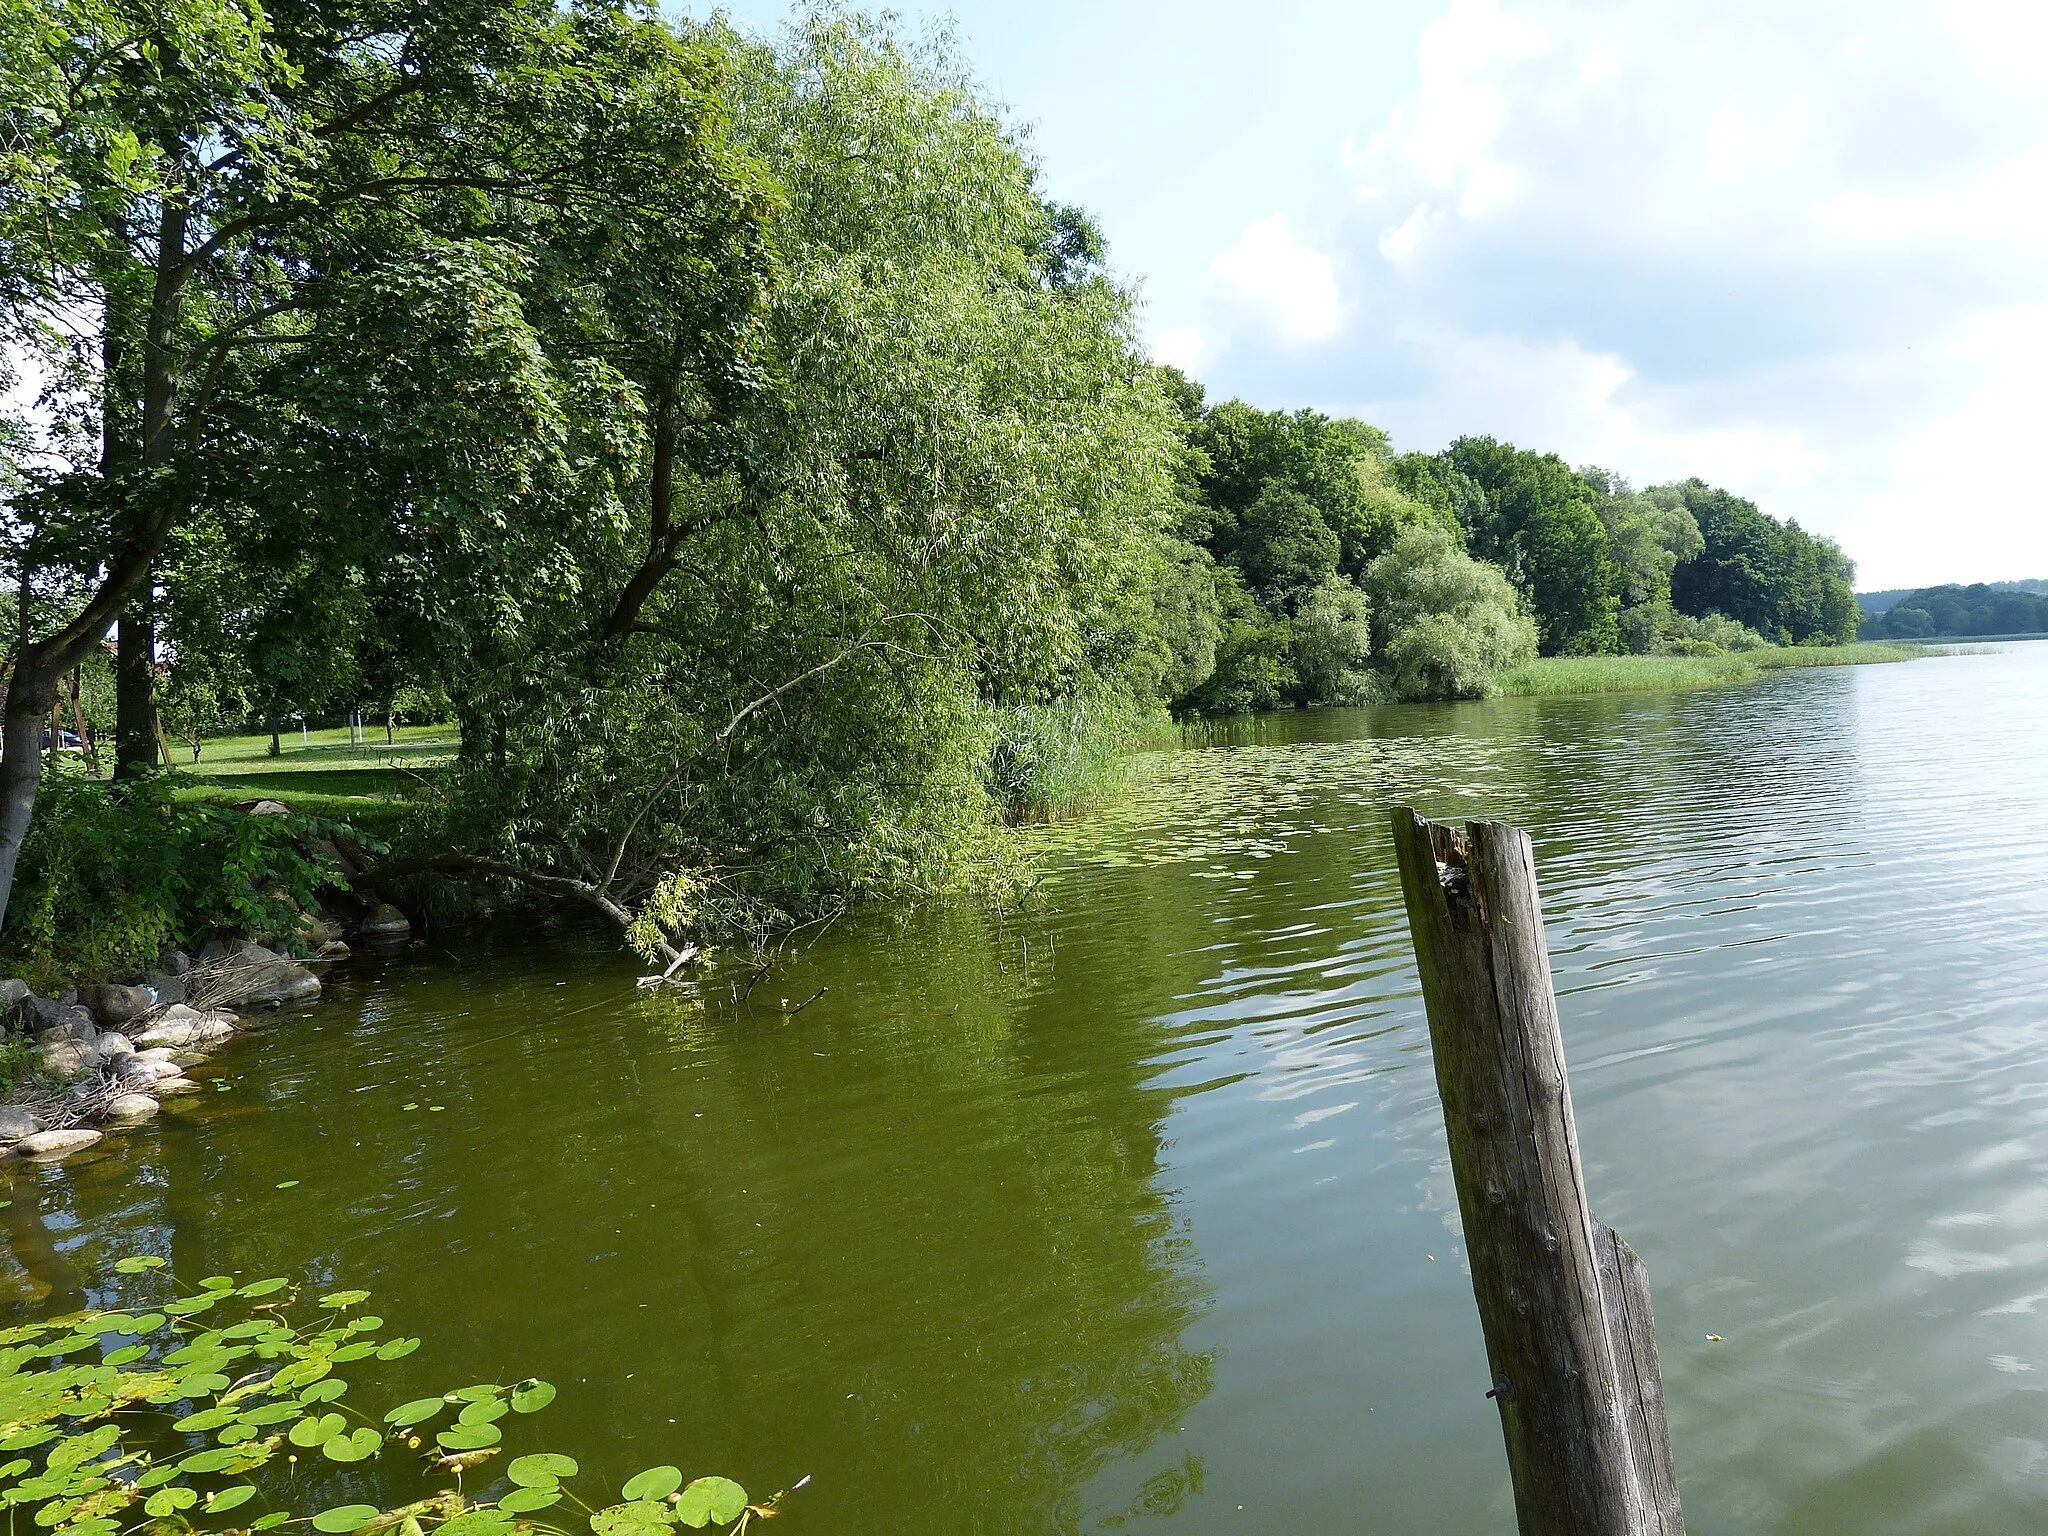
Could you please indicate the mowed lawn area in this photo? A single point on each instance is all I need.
(322, 774)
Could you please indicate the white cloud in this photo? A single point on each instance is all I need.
(1282, 284)
(1798, 250)
(1181, 347)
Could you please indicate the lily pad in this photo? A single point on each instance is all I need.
(344, 1518)
(418, 1411)
(711, 1501)
(541, 1470)
(630, 1518)
(355, 1446)
(522, 1501)
(532, 1396)
(469, 1437)
(654, 1483)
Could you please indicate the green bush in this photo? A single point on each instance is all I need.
(1714, 635)
(1448, 624)
(1054, 760)
(109, 877)
(1332, 646)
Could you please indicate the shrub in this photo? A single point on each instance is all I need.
(1447, 624)
(109, 877)
(1714, 635)
(1053, 760)
(1332, 646)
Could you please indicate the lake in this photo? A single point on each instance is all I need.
(1132, 1209)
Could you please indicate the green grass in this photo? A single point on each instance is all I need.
(1630, 674)
(367, 786)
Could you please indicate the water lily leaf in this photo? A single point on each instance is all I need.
(365, 1324)
(532, 1396)
(355, 1446)
(268, 1287)
(344, 1518)
(210, 1418)
(288, 1184)
(476, 1394)
(489, 1411)
(274, 1518)
(630, 1519)
(15, 1468)
(335, 1300)
(157, 1476)
(711, 1500)
(148, 1323)
(235, 1434)
(324, 1391)
(397, 1349)
(168, 1501)
(137, 1265)
(541, 1470)
(218, 1283)
(229, 1498)
(25, 1439)
(524, 1500)
(654, 1483)
(350, 1352)
(127, 1354)
(83, 1448)
(418, 1411)
(316, 1429)
(468, 1437)
(192, 1306)
(477, 1522)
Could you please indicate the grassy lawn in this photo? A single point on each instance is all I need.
(1628, 674)
(367, 785)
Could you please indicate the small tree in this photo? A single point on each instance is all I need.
(1447, 624)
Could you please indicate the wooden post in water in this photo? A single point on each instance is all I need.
(1565, 1304)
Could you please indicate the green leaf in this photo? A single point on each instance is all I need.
(524, 1500)
(349, 1352)
(344, 1518)
(274, 1518)
(418, 1411)
(324, 1391)
(541, 1470)
(83, 1448)
(316, 1429)
(365, 1324)
(532, 1396)
(489, 1411)
(271, 1413)
(137, 1265)
(288, 1184)
(127, 1354)
(157, 1476)
(711, 1500)
(218, 1283)
(397, 1349)
(468, 1437)
(627, 1519)
(338, 1299)
(223, 1499)
(211, 1461)
(205, 1419)
(354, 1446)
(268, 1287)
(168, 1501)
(148, 1323)
(476, 1394)
(654, 1483)
(477, 1522)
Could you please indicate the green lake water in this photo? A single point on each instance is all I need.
(1133, 1210)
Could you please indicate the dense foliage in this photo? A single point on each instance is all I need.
(188, 1410)
(1953, 610)
(763, 471)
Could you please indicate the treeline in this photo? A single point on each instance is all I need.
(1978, 609)
(764, 472)
(1343, 573)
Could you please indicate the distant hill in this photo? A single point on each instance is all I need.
(1983, 608)
(1880, 602)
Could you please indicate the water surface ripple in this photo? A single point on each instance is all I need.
(1133, 1209)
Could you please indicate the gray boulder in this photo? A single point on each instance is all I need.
(168, 988)
(113, 1045)
(213, 952)
(113, 1005)
(67, 1058)
(13, 994)
(45, 1017)
(130, 1109)
(134, 1072)
(55, 1143)
(167, 1087)
(253, 974)
(184, 1028)
(16, 1122)
(386, 922)
(174, 962)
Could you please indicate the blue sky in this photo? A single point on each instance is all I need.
(1798, 249)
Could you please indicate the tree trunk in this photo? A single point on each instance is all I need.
(21, 763)
(135, 688)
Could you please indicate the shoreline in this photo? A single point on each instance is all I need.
(1556, 676)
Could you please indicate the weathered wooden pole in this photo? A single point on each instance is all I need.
(1565, 1304)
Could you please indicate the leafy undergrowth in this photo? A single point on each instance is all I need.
(1629, 674)
(190, 1411)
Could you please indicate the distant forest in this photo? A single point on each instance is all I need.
(1983, 608)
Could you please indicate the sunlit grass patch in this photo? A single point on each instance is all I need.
(1630, 674)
